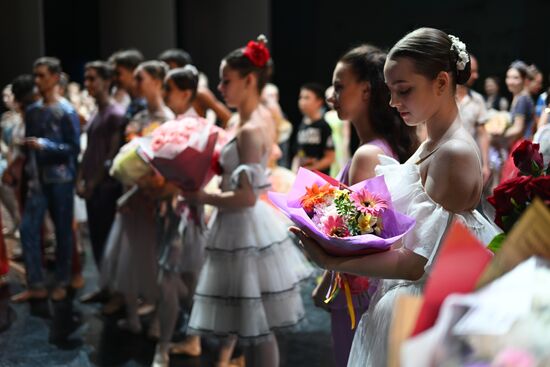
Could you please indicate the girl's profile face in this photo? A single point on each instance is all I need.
(232, 85)
(146, 84)
(176, 99)
(415, 96)
(514, 81)
(350, 96)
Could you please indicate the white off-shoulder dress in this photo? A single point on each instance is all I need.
(370, 344)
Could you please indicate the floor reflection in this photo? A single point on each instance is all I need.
(71, 334)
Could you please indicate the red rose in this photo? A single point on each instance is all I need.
(510, 199)
(516, 189)
(257, 53)
(528, 159)
(540, 186)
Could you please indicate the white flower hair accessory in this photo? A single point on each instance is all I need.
(460, 48)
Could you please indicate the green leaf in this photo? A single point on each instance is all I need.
(496, 243)
(535, 169)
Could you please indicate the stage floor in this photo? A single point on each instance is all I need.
(48, 334)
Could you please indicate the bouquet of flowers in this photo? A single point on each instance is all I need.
(345, 221)
(506, 323)
(128, 165)
(342, 213)
(513, 196)
(185, 151)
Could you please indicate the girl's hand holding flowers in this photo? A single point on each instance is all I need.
(194, 197)
(312, 248)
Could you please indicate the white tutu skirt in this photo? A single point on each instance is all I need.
(129, 264)
(194, 238)
(183, 246)
(250, 282)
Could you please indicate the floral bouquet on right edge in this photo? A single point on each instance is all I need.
(345, 221)
(512, 197)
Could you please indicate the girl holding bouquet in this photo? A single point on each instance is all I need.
(249, 284)
(442, 181)
(361, 96)
(181, 258)
(130, 262)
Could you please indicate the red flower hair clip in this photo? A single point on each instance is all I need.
(256, 52)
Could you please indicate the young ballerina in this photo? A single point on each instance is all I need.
(442, 181)
(129, 265)
(249, 284)
(181, 256)
(361, 97)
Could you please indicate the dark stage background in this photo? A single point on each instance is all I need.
(306, 36)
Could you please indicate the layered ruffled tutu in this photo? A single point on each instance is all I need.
(250, 282)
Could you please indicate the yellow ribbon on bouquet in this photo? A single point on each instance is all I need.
(333, 291)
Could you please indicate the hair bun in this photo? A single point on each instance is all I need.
(257, 52)
(462, 76)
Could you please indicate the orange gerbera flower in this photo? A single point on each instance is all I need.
(315, 195)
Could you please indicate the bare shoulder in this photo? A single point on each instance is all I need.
(249, 132)
(363, 162)
(204, 96)
(367, 152)
(454, 177)
(250, 143)
(458, 148)
(366, 156)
